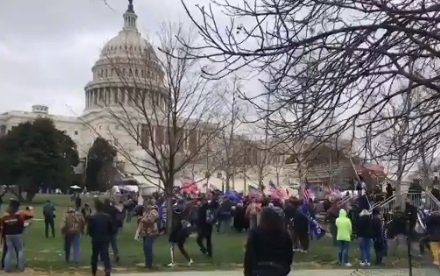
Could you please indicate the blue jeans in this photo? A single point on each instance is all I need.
(365, 249)
(14, 243)
(148, 251)
(72, 241)
(343, 251)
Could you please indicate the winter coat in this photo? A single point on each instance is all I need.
(433, 227)
(343, 225)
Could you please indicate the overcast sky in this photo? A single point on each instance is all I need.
(47, 47)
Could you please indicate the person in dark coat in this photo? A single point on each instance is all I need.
(268, 247)
(433, 231)
(378, 236)
(112, 211)
(101, 228)
(180, 231)
(364, 234)
(301, 227)
(389, 191)
(205, 221)
(239, 218)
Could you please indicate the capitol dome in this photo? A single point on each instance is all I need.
(128, 65)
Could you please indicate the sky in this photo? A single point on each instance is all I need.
(48, 47)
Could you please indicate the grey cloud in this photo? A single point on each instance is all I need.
(47, 47)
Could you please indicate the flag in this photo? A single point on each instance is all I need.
(254, 192)
(306, 195)
(272, 185)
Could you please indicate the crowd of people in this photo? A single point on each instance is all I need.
(276, 228)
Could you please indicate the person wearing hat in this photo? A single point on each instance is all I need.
(149, 231)
(72, 228)
(180, 231)
(12, 225)
(379, 241)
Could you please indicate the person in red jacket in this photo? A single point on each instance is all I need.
(12, 226)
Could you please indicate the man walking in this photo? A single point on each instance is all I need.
(101, 230)
(205, 221)
(49, 216)
(73, 227)
(149, 230)
(112, 211)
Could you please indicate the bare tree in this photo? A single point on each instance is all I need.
(165, 109)
(337, 60)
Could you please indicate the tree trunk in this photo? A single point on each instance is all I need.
(169, 204)
(29, 196)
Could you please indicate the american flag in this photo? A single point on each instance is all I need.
(254, 192)
(306, 195)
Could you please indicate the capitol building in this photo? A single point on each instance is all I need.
(127, 67)
(120, 73)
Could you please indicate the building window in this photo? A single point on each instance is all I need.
(76, 132)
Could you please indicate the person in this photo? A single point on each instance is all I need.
(343, 237)
(331, 216)
(12, 225)
(180, 231)
(86, 211)
(149, 230)
(361, 185)
(129, 206)
(433, 231)
(239, 218)
(224, 215)
(253, 213)
(101, 229)
(205, 222)
(72, 228)
(49, 218)
(77, 202)
(364, 234)
(301, 228)
(389, 191)
(268, 250)
(111, 210)
(378, 236)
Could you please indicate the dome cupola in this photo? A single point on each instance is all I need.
(127, 65)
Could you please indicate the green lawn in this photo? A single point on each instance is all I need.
(47, 254)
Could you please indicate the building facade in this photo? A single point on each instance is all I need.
(126, 73)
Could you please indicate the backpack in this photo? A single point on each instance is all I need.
(210, 216)
(186, 227)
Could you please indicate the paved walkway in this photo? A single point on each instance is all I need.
(331, 272)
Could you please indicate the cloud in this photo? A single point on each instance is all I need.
(48, 47)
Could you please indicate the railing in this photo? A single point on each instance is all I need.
(346, 199)
(386, 204)
(431, 202)
(420, 200)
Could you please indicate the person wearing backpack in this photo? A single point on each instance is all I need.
(205, 222)
(180, 231)
(73, 227)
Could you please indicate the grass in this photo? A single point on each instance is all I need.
(47, 254)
